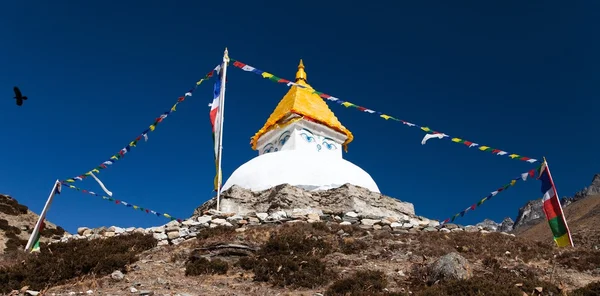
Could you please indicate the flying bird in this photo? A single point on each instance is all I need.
(19, 96)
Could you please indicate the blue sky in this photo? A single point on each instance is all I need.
(518, 76)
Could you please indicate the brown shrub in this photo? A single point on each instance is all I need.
(360, 283)
(591, 289)
(292, 257)
(50, 232)
(215, 232)
(580, 259)
(200, 265)
(14, 244)
(61, 262)
(350, 245)
(500, 282)
(11, 207)
(476, 245)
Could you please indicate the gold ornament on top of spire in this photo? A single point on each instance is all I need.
(305, 102)
(301, 74)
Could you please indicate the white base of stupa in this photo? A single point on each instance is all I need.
(306, 169)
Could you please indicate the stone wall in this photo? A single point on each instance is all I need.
(174, 233)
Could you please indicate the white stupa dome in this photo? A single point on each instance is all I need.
(306, 169)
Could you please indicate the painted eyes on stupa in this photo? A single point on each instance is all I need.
(329, 146)
(284, 140)
(270, 148)
(307, 138)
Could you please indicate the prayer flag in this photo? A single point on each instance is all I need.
(553, 209)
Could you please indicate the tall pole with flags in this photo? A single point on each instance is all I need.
(553, 209)
(220, 110)
(34, 238)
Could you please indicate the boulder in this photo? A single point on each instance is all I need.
(451, 266)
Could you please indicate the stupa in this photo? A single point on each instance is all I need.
(300, 144)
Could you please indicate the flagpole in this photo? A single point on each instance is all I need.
(42, 216)
(221, 115)
(562, 214)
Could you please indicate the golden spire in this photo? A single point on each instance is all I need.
(301, 99)
(301, 75)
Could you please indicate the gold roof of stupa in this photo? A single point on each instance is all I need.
(304, 102)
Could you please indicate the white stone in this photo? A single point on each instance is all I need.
(396, 225)
(369, 222)
(262, 216)
(190, 222)
(183, 232)
(433, 223)
(173, 234)
(345, 223)
(129, 229)
(119, 230)
(177, 240)
(172, 223)
(235, 218)
(445, 230)
(204, 219)
(163, 243)
(158, 229)
(160, 236)
(82, 230)
(314, 217)
(219, 221)
(352, 214)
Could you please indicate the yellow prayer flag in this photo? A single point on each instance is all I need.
(347, 104)
(70, 180)
(563, 241)
(426, 129)
(513, 156)
(132, 143)
(483, 148)
(512, 183)
(173, 108)
(152, 127)
(267, 75)
(386, 117)
(96, 171)
(71, 186)
(88, 174)
(199, 81)
(113, 157)
(456, 140)
(135, 207)
(166, 215)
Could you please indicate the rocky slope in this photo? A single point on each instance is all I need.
(17, 223)
(532, 213)
(286, 241)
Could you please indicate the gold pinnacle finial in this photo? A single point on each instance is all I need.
(301, 75)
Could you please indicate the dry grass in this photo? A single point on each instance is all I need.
(61, 262)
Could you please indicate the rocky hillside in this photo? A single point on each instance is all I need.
(531, 213)
(17, 223)
(583, 218)
(285, 241)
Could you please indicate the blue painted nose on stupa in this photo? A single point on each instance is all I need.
(318, 147)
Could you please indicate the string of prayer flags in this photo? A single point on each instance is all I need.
(522, 177)
(553, 209)
(124, 203)
(119, 155)
(432, 133)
